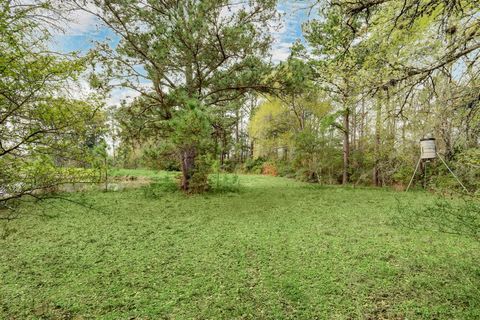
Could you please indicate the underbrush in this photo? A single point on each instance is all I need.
(454, 215)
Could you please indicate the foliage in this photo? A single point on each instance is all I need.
(468, 168)
(269, 169)
(296, 136)
(269, 128)
(348, 105)
(383, 74)
(254, 165)
(460, 216)
(159, 187)
(191, 140)
(209, 53)
(154, 157)
(225, 183)
(43, 131)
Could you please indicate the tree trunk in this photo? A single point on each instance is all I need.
(188, 166)
(353, 129)
(346, 146)
(225, 150)
(378, 128)
(361, 133)
(238, 148)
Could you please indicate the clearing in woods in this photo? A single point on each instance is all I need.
(276, 249)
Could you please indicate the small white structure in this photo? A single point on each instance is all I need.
(428, 149)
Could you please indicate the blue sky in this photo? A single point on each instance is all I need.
(85, 29)
(294, 15)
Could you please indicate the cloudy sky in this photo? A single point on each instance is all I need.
(84, 30)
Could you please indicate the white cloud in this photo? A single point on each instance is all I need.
(121, 94)
(294, 14)
(280, 51)
(81, 22)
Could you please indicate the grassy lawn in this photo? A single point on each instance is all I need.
(278, 249)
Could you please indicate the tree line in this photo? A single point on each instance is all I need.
(364, 83)
(349, 105)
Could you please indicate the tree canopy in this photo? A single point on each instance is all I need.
(42, 127)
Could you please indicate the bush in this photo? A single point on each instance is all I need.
(469, 168)
(254, 165)
(199, 180)
(269, 169)
(402, 174)
(285, 169)
(306, 175)
(230, 165)
(153, 158)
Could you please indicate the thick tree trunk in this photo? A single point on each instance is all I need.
(188, 166)
(346, 146)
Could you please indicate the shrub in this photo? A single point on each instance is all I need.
(199, 180)
(254, 165)
(468, 168)
(285, 169)
(230, 165)
(269, 169)
(306, 175)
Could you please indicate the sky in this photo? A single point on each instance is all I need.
(84, 29)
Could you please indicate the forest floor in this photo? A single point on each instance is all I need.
(274, 249)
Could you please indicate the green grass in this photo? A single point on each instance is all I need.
(278, 249)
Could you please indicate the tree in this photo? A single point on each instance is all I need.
(414, 39)
(271, 128)
(292, 125)
(398, 57)
(205, 54)
(42, 129)
(338, 61)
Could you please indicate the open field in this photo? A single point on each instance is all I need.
(277, 249)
